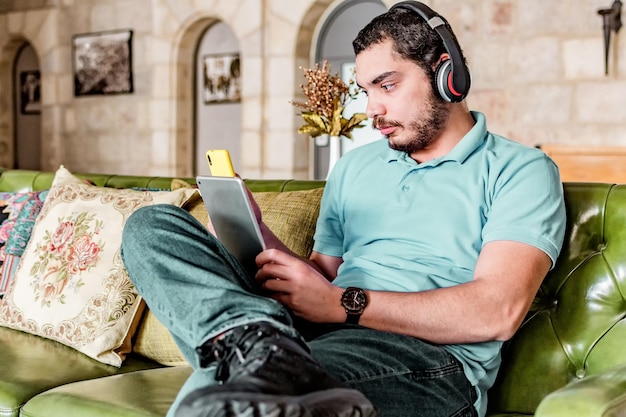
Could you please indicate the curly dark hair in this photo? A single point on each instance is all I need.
(412, 37)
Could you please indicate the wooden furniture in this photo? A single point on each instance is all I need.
(589, 163)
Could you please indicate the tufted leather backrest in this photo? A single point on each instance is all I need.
(576, 326)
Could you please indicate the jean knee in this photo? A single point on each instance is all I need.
(147, 216)
(140, 225)
(139, 230)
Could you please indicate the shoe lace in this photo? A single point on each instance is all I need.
(233, 348)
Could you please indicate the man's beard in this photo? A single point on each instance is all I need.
(425, 129)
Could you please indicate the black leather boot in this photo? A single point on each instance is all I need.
(264, 373)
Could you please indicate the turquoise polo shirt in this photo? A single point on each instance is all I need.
(404, 226)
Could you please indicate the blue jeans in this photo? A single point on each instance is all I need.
(198, 290)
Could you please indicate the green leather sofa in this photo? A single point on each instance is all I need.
(568, 358)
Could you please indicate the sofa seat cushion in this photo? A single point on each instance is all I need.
(115, 396)
(31, 364)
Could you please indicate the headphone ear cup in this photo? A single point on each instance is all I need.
(443, 75)
(443, 81)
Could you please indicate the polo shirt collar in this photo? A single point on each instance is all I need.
(466, 146)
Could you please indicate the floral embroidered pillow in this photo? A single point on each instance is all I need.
(71, 285)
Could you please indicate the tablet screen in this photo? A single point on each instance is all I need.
(233, 218)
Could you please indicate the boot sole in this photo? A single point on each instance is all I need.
(336, 402)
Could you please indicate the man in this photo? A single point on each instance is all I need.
(429, 249)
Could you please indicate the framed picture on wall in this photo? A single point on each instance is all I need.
(102, 63)
(30, 92)
(222, 78)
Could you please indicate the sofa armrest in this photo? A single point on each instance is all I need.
(601, 395)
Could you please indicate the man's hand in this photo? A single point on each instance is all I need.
(300, 287)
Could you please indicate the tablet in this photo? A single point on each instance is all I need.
(232, 217)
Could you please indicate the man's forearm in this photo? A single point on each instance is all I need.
(460, 314)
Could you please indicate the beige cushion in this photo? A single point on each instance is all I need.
(71, 285)
(290, 215)
(155, 342)
(195, 205)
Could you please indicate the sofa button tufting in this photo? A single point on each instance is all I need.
(580, 374)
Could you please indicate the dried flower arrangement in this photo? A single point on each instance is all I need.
(326, 98)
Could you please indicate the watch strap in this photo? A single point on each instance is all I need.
(353, 318)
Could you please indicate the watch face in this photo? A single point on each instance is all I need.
(354, 300)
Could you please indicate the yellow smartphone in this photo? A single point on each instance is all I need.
(220, 163)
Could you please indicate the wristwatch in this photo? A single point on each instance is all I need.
(354, 300)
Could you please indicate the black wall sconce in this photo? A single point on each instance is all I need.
(612, 22)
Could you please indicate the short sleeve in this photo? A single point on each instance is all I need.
(527, 205)
(329, 231)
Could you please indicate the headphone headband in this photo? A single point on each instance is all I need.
(458, 82)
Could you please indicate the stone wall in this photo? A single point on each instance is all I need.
(537, 68)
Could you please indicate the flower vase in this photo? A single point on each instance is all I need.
(334, 152)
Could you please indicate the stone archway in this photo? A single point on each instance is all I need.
(313, 24)
(304, 56)
(27, 116)
(217, 110)
(8, 53)
(40, 28)
(183, 68)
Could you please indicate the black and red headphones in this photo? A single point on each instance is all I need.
(452, 76)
